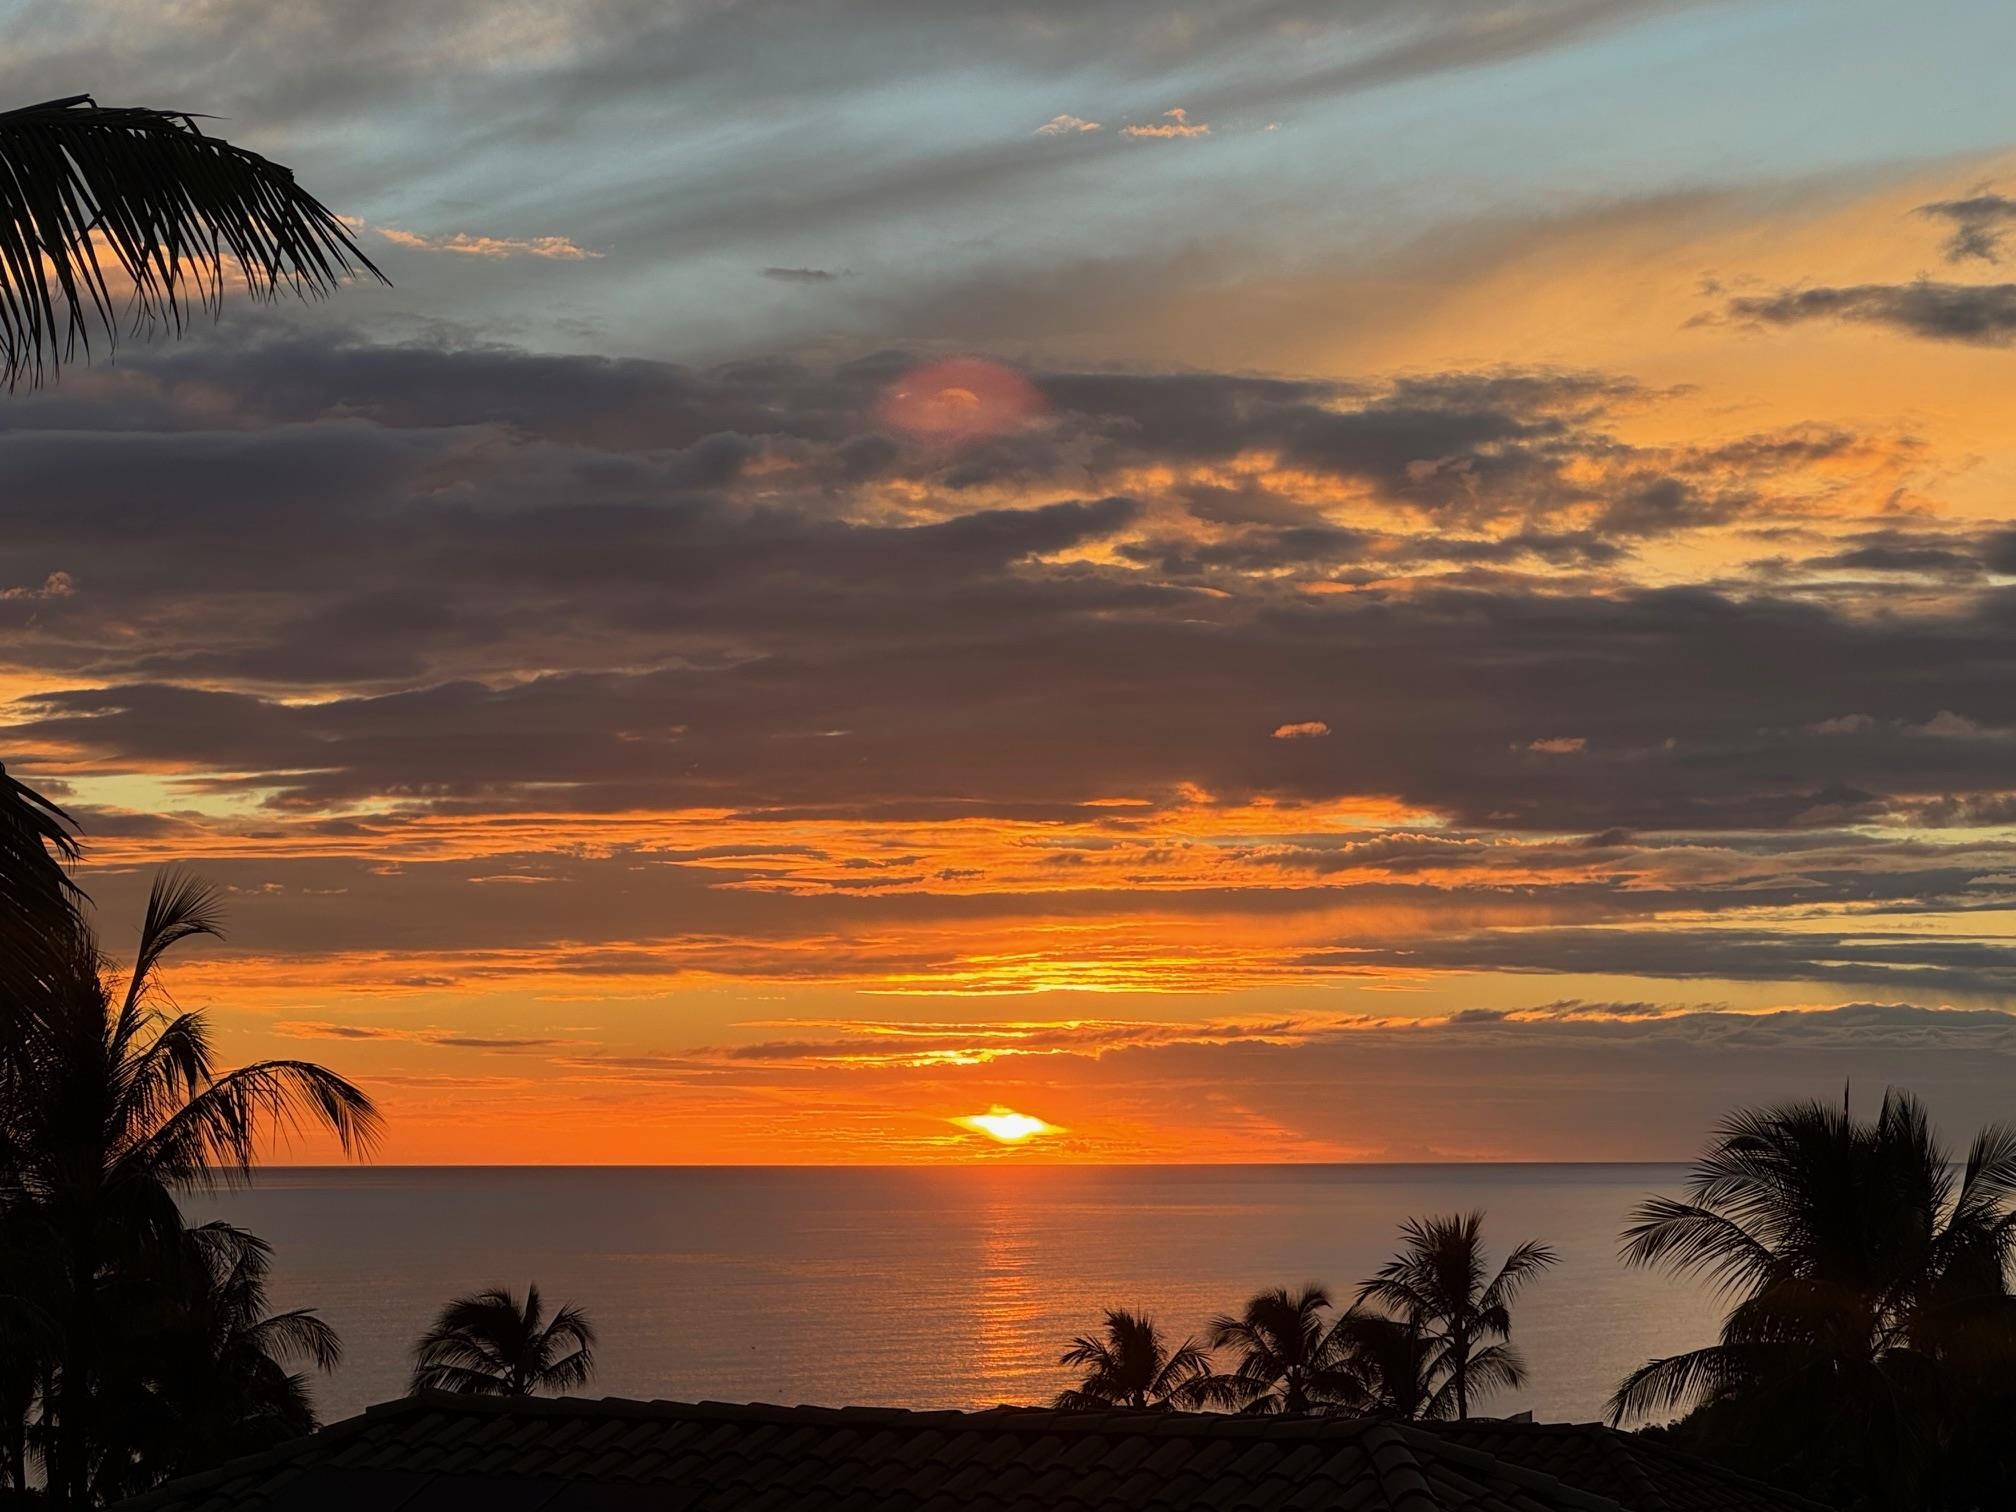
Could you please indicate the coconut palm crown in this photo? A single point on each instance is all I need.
(1289, 1359)
(488, 1344)
(1133, 1366)
(1868, 1286)
(1441, 1282)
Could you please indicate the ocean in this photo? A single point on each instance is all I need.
(938, 1287)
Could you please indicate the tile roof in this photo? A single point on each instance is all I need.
(1630, 1469)
(434, 1453)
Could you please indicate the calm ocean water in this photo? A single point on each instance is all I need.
(941, 1287)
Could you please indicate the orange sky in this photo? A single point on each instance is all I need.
(1506, 679)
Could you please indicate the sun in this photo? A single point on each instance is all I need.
(1006, 1125)
(960, 399)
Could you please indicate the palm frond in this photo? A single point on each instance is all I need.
(1221, 1393)
(1677, 1381)
(1989, 1180)
(1079, 1401)
(215, 1135)
(177, 213)
(1087, 1351)
(569, 1371)
(1189, 1362)
(1521, 1266)
(1497, 1367)
(460, 1379)
(298, 1335)
(180, 906)
(38, 901)
(570, 1325)
(150, 1086)
(1694, 1238)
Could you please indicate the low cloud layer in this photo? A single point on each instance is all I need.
(506, 668)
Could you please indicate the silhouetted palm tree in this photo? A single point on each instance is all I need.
(1438, 1282)
(208, 1368)
(488, 1345)
(1397, 1368)
(1289, 1360)
(177, 214)
(115, 1106)
(1870, 1294)
(1133, 1367)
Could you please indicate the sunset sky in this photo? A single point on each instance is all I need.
(1389, 580)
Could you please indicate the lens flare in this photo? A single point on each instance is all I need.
(960, 399)
(1006, 1125)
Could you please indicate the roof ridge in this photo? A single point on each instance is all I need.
(1398, 1471)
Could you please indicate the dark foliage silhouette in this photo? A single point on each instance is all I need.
(488, 1344)
(1441, 1284)
(1287, 1358)
(208, 1369)
(111, 1106)
(1397, 1369)
(1131, 1365)
(1869, 1348)
(38, 901)
(178, 215)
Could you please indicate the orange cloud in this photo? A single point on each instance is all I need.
(1178, 124)
(467, 244)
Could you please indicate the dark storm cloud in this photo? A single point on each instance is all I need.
(1979, 222)
(1977, 314)
(800, 275)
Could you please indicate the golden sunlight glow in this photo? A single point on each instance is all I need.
(1006, 1125)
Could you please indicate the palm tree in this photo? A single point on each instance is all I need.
(209, 1370)
(1289, 1360)
(486, 1344)
(1398, 1367)
(1869, 1294)
(1438, 1283)
(177, 213)
(114, 1106)
(1133, 1367)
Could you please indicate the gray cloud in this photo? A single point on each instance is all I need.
(699, 563)
(1978, 314)
(428, 581)
(1979, 222)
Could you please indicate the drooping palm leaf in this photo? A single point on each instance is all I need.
(180, 216)
(38, 901)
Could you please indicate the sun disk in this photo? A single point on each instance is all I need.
(1005, 1124)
